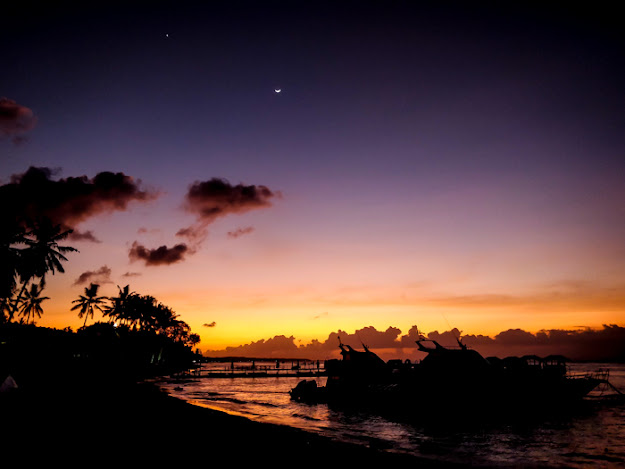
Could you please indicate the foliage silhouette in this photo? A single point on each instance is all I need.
(31, 304)
(117, 310)
(39, 356)
(11, 235)
(89, 301)
(143, 335)
(41, 255)
(144, 312)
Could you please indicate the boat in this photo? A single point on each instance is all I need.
(451, 378)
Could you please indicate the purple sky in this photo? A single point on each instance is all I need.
(447, 154)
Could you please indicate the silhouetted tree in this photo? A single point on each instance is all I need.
(89, 301)
(11, 235)
(116, 309)
(31, 305)
(41, 255)
(145, 313)
(136, 310)
(161, 318)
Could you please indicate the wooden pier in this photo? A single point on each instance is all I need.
(252, 371)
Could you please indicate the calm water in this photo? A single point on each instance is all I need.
(590, 437)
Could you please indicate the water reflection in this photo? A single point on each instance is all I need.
(590, 435)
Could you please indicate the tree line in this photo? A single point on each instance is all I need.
(136, 312)
(31, 250)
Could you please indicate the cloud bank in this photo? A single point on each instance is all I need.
(208, 201)
(215, 198)
(100, 276)
(77, 235)
(15, 120)
(68, 201)
(162, 255)
(606, 344)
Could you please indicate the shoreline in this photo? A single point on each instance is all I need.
(108, 421)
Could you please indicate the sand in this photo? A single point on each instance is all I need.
(102, 422)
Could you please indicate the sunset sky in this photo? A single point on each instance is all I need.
(439, 166)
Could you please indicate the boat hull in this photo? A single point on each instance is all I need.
(456, 380)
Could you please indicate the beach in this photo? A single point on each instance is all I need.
(109, 421)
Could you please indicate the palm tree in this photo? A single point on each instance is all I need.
(31, 304)
(43, 252)
(89, 302)
(11, 235)
(164, 318)
(120, 304)
(42, 255)
(147, 311)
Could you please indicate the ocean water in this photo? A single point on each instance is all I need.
(590, 436)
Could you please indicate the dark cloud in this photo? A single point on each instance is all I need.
(516, 337)
(77, 235)
(195, 234)
(373, 338)
(209, 200)
(100, 276)
(282, 346)
(276, 347)
(445, 338)
(409, 340)
(131, 274)
(217, 197)
(212, 324)
(606, 344)
(71, 200)
(15, 120)
(240, 232)
(159, 256)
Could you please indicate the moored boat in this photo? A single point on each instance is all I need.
(452, 378)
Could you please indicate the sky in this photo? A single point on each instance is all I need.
(433, 164)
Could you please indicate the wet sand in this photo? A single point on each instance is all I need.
(105, 422)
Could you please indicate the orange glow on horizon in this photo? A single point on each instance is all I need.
(310, 284)
(254, 315)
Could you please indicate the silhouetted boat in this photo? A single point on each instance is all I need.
(450, 378)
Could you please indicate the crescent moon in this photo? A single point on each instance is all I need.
(278, 90)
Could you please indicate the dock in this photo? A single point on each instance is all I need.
(307, 370)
